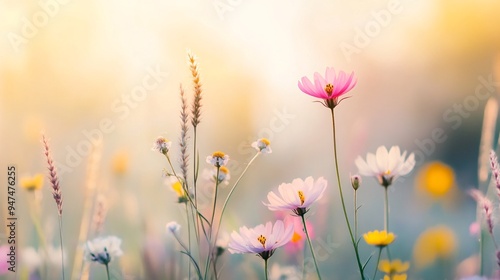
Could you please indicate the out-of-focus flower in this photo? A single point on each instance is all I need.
(32, 183)
(224, 175)
(386, 165)
(379, 238)
(469, 268)
(176, 186)
(298, 240)
(222, 243)
(103, 249)
(31, 258)
(435, 243)
(218, 159)
(120, 162)
(173, 227)
(161, 145)
(355, 181)
(396, 277)
(4, 258)
(262, 239)
(262, 145)
(297, 196)
(436, 179)
(330, 87)
(284, 273)
(474, 229)
(393, 267)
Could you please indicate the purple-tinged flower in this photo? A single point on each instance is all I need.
(262, 239)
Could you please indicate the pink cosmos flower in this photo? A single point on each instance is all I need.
(297, 196)
(298, 240)
(4, 265)
(262, 239)
(330, 87)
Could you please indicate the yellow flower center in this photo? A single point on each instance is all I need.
(296, 237)
(262, 240)
(224, 170)
(218, 154)
(302, 197)
(265, 141)
(388, 172)
(329, 89)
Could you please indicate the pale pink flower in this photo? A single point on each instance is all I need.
(297, 196)
(330, 87)
(386, 165)
(298, 240)
(262, 239)
(4, 258)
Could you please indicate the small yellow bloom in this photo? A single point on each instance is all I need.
(395, 277)
(392, 267)
(436, 179)
(120, 163)
(379, 238)
(177, 187)
(32, 184)
(435, 243)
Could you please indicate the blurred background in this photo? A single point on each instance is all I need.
(108, 72)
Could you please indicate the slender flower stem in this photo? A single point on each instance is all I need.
(378, 261)
(215, 199)
(209, 257)
(342, 197)
(62, 249)
(481, 252)
(189, 239)
(107, 272)
(386, 210)
(265, 268)
(355, 215)
(310, 246)
(231, 192)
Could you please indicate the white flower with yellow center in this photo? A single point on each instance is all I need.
(262, 145)
(297, 196)
(386, 165)
(161, 145)
(262, 239)
(218, 159)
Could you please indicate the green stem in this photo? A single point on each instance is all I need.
(231, 192)
(481, 252)
(355, 215)
(310, 246)
(212, 223)
(107, 272)
(378, 261)
(189, 239)
(342, 197)
(62, 249)
(386, 210)
(215, 199)
(265, 268)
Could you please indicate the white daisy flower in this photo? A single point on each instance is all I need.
(385, 165)
(218, 159)
(161, 145)
(262, 145)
